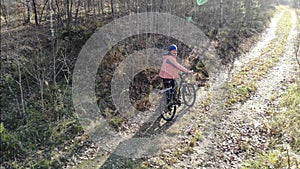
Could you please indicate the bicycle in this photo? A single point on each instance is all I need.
(188, 92)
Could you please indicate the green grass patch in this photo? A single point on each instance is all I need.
(289, 121)
(283, 128)
(197, 137)
(114, 119)
(279, 158)
(11, 146)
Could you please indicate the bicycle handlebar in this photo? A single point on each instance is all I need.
(185, 73)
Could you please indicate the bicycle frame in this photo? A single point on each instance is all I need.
(177, 86)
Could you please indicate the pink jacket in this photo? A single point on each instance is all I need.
(170, 68)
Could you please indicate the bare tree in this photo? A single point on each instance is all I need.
(221, 13)
(42, 11)
(112, 7)
(35, 12)
(59, 13)
(21, 88)
(27, 20)
(76, 12)
(102, 7)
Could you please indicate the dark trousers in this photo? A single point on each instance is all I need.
(169, 83)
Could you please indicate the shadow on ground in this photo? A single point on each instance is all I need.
(148, 129)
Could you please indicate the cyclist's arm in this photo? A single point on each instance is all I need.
(175, 64)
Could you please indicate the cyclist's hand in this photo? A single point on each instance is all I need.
(190, 71)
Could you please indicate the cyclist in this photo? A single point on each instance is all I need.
(169, 71)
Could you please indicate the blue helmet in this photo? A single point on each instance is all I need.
(172, 47)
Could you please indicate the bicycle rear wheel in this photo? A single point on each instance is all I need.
(169, 113)
(167, 110)
(189, 94)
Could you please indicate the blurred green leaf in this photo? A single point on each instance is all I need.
(201, 2)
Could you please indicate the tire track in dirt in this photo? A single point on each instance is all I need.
(243, 128)
(267, 36)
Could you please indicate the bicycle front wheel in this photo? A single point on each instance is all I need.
(189, 94)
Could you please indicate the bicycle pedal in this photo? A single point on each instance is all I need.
(168, 109)
(178, 102)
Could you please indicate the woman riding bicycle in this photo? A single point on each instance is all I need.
(169, 71)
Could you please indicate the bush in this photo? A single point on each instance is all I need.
(10, 147)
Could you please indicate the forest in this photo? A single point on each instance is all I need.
(253, 123)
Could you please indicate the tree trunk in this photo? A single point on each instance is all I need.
(35, 12)
(70, 16)
(67, 6)
(77, 10)
(51, 19)
(28, 11)
(42, 12)
(112, 8)
(21, 90)
(102, 8)
(221, 13)
(94, 9)
(98, 8)
(59, 19)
